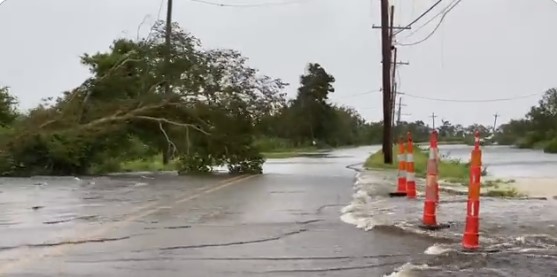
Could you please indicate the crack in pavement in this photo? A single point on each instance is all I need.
(244, 258)
(332, 268)
(298, 258)
(41, 245)
(58, 221)
(178, 227)
(320, 209)
(85, 217)
(308, 221)
(236, 242)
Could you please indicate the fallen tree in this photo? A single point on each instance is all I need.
(206, 119)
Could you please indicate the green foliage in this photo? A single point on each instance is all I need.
(506, 193)
(537, 130)
(454, 170)
(203, 106)
(310, 120)
(8, 104)
(551, 147)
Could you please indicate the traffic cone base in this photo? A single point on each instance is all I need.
(429, 220)
(470, 241)
(471, 237)
(411, 189)
(429, 213)
(435, 227)
(401, 189)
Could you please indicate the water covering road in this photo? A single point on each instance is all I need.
(283, 223)
(504, 161)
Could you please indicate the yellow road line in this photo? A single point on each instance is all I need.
(148, 209)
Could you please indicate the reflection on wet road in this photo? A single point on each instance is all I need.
(283, 223)
(504, 161)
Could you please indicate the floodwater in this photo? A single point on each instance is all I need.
(517, 237)
(508, 162)
(285, 223)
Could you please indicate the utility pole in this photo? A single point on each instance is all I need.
(399, 112)
(433, 116)
(168, 47)
(495, 122)
(394, 91)
(386, 53)
(386, 48)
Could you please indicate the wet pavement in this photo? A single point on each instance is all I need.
(517, 237)
(508, 162)
(286, 222)
(283, 223)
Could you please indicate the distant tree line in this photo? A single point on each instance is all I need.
(538, 129)
(217, 111)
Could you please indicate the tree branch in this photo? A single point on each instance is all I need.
(159, 119)
(168, 140)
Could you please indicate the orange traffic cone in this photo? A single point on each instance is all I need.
(401, 157)
(470, 240)
(429, 220)
(410, 173)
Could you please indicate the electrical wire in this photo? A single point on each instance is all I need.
(472, 100)
(362, 93)
(267, 4)
(436, 27)
(419, 17)
(431, 19)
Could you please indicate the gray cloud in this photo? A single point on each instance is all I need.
(484, 49)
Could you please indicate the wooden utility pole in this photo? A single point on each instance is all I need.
(386, 48)
(168, 46)
(495, 122)
(386, 54)
(167, 54)
(394, 91)
(433, 116)
(388, 107)
(399, 112)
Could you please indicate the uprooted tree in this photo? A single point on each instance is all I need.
(207, 118)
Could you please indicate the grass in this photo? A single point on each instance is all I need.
(504, 192)
(153, 163)
(453, 170)
(288, 152)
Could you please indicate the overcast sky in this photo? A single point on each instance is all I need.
(484, 49)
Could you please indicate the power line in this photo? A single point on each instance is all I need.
(420, 17)
(473, 100)
(445, 13)
(267, 4)
(431, 19)
(361, 93)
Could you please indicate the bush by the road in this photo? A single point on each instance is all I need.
(551, 147)
(453, 170)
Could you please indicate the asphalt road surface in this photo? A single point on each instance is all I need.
(283, 223)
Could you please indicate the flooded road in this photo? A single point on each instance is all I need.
(283, 223)
(509, 162)
(517, 237)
